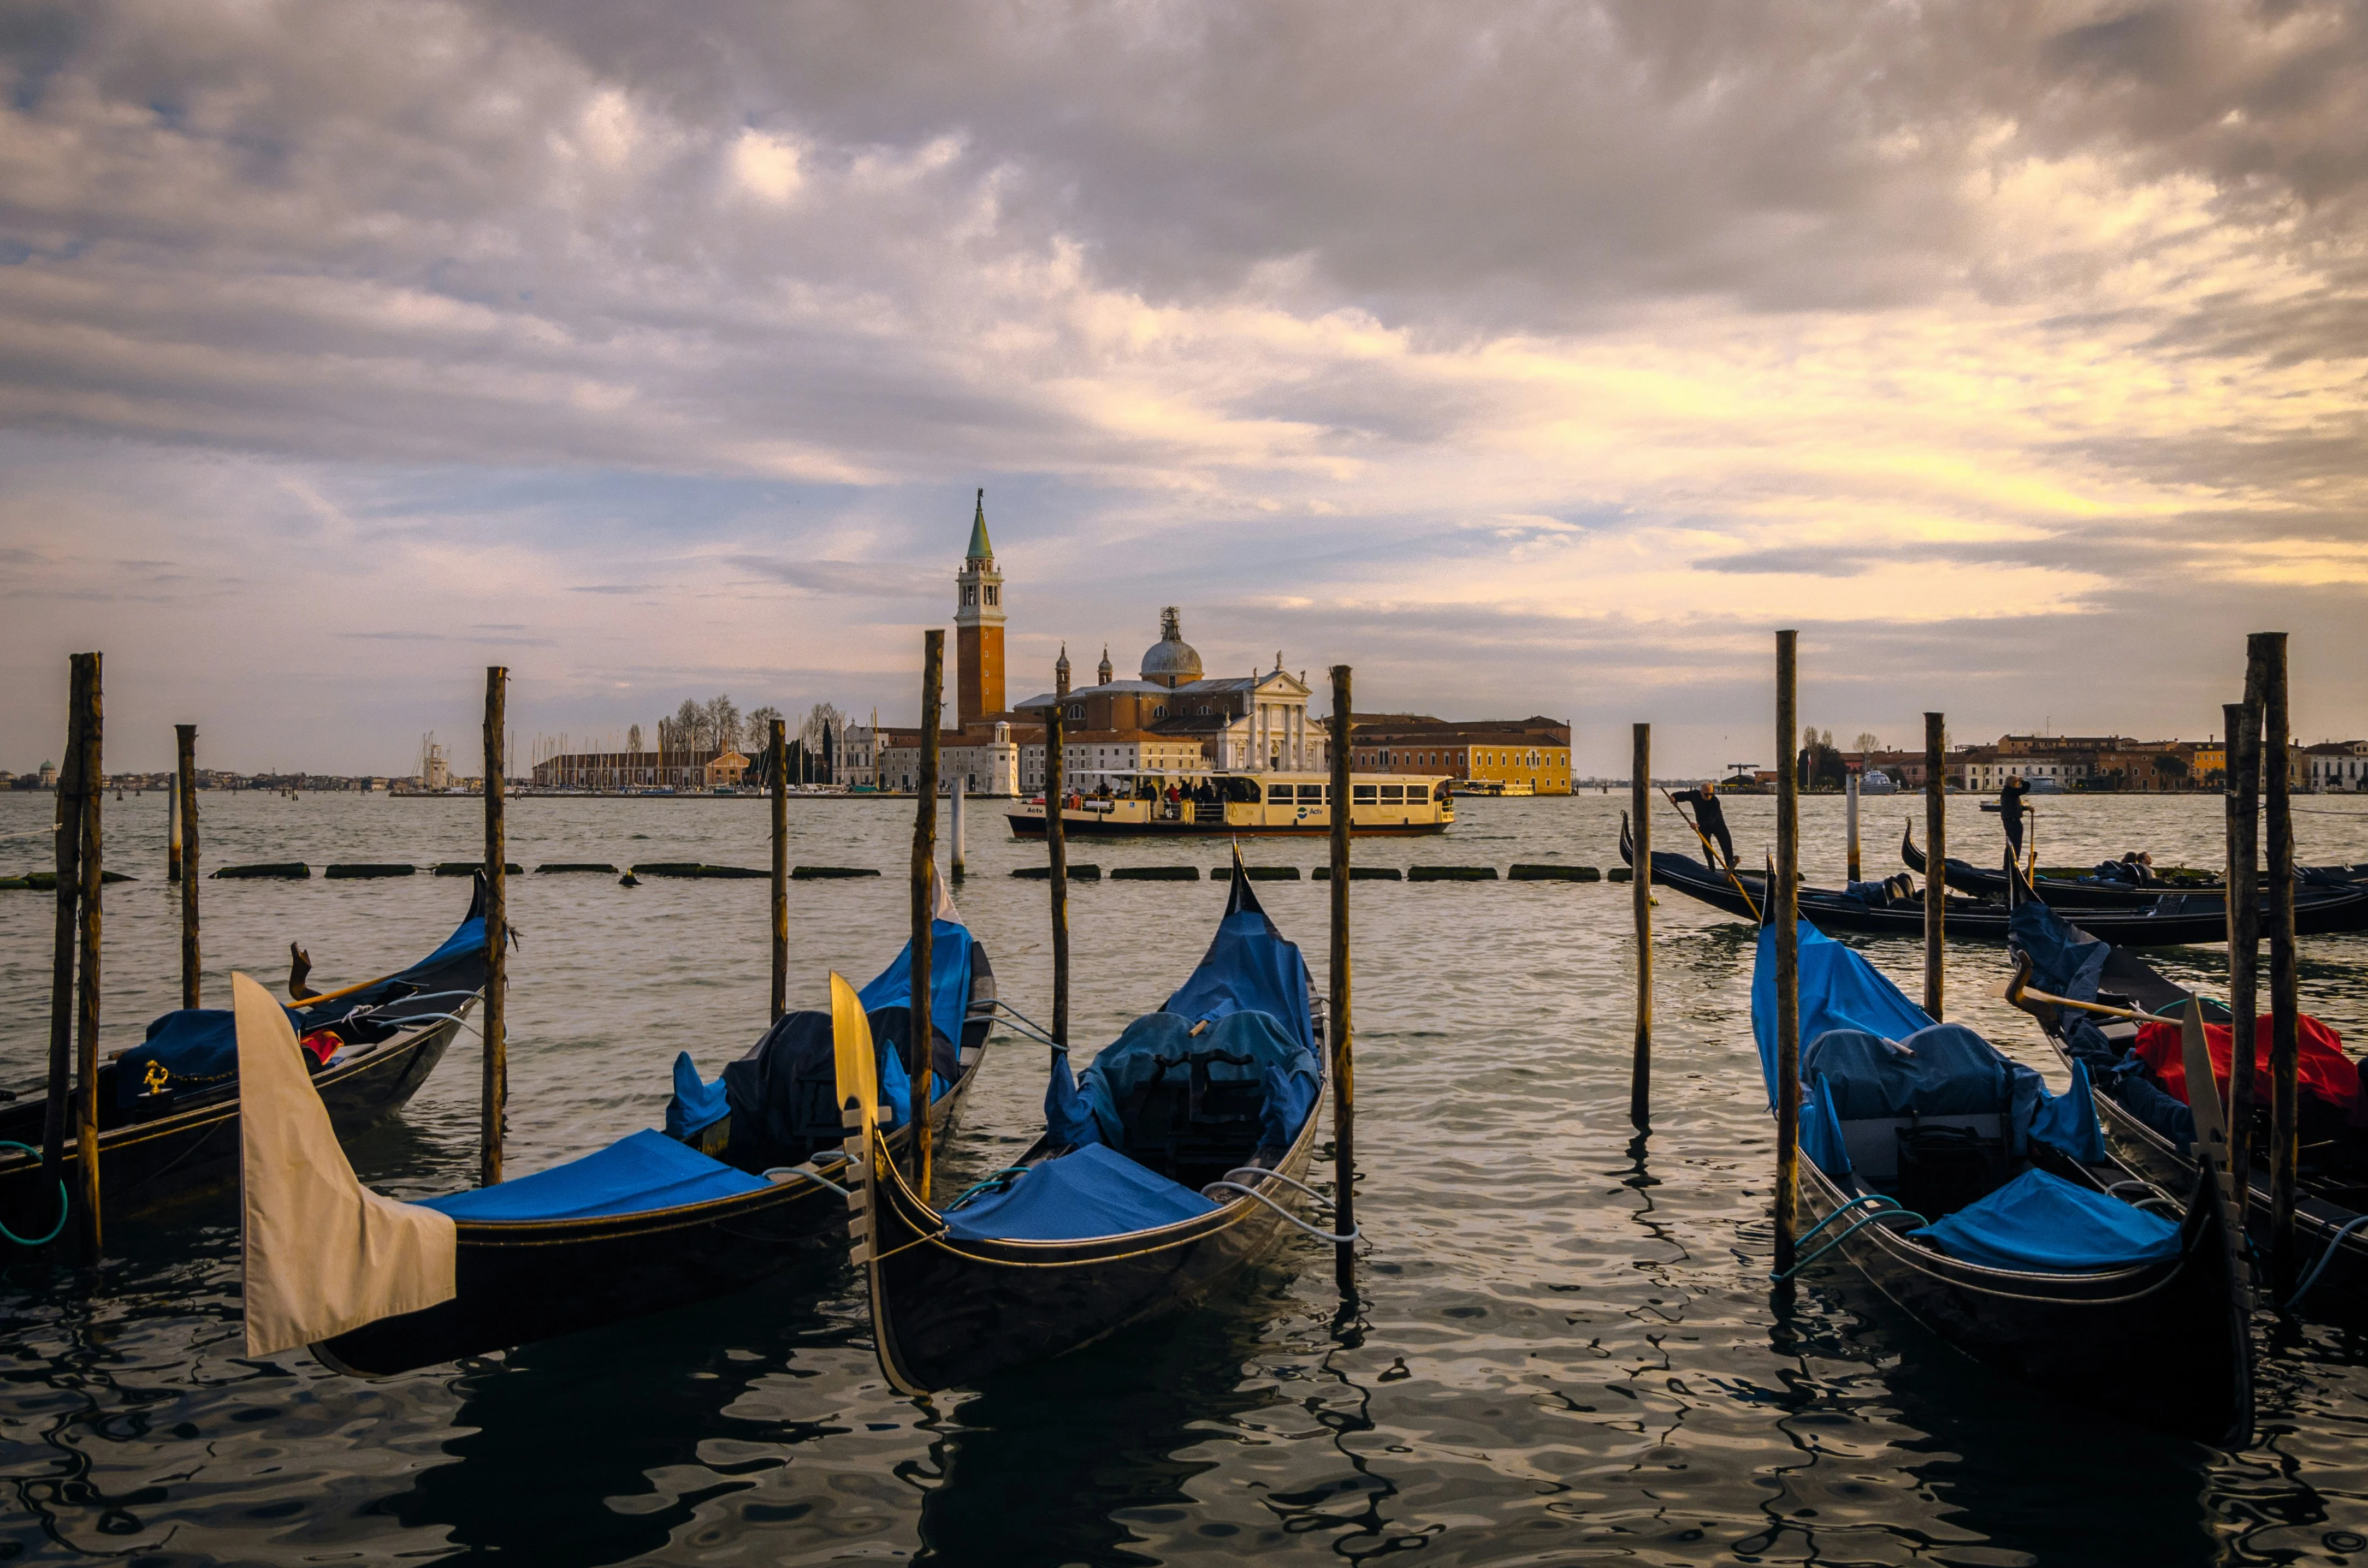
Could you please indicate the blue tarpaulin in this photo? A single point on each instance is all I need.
(2043, 1224)
(695, 1104)
(1159, 1044)
(1248, 968)
(1839, 990)
(1087, 1193)
(950, 947)
(635, 1175)
(2065, 961)
(193, 1048)
(1861, 1071)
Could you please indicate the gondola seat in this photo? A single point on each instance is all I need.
(1191, 1100)
(643, 1172)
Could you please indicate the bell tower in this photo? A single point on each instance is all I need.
(978, 627)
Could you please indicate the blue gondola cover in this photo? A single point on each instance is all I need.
(635, 1175)
(1839, 990)
(950, 947)
(1248, 968)
(696, 1102)
(2043, 1224)
(2064, 961)
(1087, 1193)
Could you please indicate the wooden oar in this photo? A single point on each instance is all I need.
(2017, 991)
(1710, 854)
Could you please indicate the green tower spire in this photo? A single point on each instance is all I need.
(979, 548)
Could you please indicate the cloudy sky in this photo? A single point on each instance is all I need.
(1532, 357)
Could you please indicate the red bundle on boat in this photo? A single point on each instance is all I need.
(2321, 1070)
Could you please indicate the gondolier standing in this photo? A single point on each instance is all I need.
(2011, 812)
(1710, 820)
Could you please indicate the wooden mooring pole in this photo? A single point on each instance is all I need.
(89, 706)
(1784, 906)
(172, 834)
(1850, 812)
(1344, 1077)
(1056, 848)
(185, 794)
(66, 823)
(778, 761)
(925, 866)
(1640, 891)
(2267, 652)
(1936, 859)
(2243, 798)
(495, 1083)
(959, 791)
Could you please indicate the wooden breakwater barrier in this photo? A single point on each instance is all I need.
(1619, 874)
(830, 873)
(47, 882)
(1536, 873)
(1076, 873)
(282, 870)
(699, 870)
(1451, 873)
(358, 871)
(1360, 874)
(471, 868)
(571, 867)
(1154, 874)
(1257, 873)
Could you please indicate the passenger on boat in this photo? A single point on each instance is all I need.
(1709, 819)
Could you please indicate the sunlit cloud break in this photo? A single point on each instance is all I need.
(1530, 357)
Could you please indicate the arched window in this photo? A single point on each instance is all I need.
(993, 595)
(1076, 711)
(1160, 711)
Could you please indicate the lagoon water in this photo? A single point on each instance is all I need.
(1566, 1352)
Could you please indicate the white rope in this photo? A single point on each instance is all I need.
(1252, 1192)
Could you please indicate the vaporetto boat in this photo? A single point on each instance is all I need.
(1242, 805)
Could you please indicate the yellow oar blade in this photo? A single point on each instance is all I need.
(859, 1078)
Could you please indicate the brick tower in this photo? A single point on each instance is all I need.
(978, 627)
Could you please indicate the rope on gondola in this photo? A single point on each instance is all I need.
(5, 1231)
(1029, 1026)
(2324, 1260)
(782, 1173)
(1878, 1207)
(1000, 1179)
(1335, 1238)
(1266, 1175)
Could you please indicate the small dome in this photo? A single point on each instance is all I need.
(1172, 661)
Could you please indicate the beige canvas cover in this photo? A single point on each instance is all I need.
(323, 1254)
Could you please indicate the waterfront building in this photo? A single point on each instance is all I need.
(614, 771)
(2335, 764)
(1530, 754)
(1256, 722)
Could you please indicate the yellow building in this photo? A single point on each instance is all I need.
(1532, 754)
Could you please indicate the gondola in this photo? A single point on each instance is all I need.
(1165, 1169)
(1877, 909)
(1991, 1212)
(2067, 889)
(745, 1180)
(2150, 1128)
(168, 1107)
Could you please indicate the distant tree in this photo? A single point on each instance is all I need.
(1867, 740)
(689, 731)
(760, 725)
(2171, 765)
(632, 737)
(1819, 765)
(723, 722)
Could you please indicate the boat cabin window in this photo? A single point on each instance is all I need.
(1393, 794)
(1362, 794)
(1278, 794)
(1311, 794)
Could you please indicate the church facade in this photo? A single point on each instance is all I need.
(1173, 717)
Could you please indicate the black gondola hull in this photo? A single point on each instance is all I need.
(946, 1315)
(2162, 926)
(2166, 1345)
(520, 1283)
(194, 1150)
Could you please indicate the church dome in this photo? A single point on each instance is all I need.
(1172, 661)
